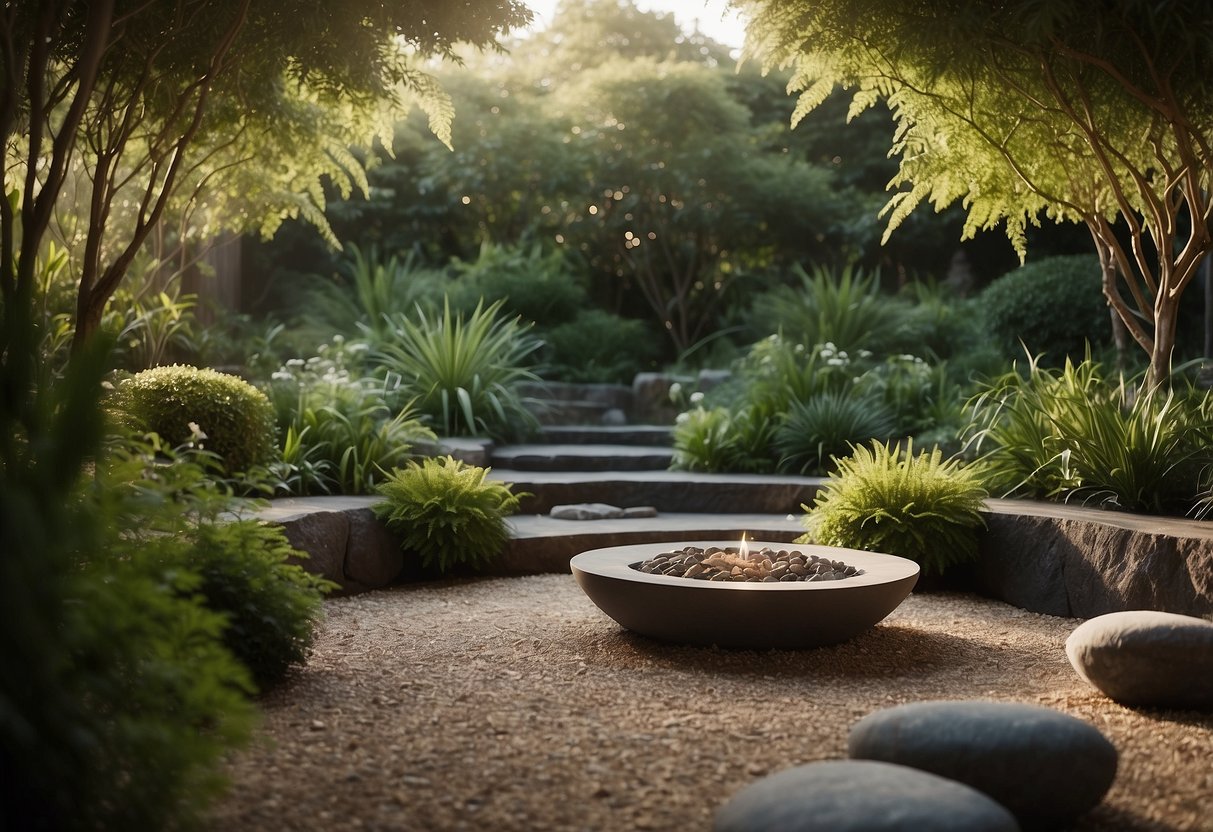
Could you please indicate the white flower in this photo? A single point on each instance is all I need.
(836, 362)
(682, 418)
(696, 397)
(675, 389)
(196, 433)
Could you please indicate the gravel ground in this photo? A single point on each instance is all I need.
(514, 704)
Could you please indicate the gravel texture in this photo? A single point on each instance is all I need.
(515, 704)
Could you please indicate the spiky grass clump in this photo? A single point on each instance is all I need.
(447, 512)
(718, 440)
(918, 507)
(825, 426)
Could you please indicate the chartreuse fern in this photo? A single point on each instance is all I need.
(883, 500)
(447, 512)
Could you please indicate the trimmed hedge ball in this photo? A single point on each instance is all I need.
(236, 418)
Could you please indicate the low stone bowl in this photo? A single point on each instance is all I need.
(752, 616)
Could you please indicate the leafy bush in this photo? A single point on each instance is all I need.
(1069, 434)
(1054, 306)
(846, 309)
(272, 607)
(372, 290)
(118, 700)
(236, 419)
(717, 440)
(447, 512)
(596, 346)
(825, 426)
(340, 431)
(532, 284)
(464, 374)
(917, 507)
(777, 372)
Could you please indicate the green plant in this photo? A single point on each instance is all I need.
(532, 284)
(1052, 307)
(845, 308)
(464, 374)
(918, 507)
(1069, 434)
(720, 440)
(597, 346)
(341, 433)
(180, 403)
(447, 512)
(777, 372)
(272, 606)
(826, 425)
(118, 700)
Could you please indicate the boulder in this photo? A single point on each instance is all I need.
(1146, 658)
(1077, 562)
(860, 796)
(1044, 766)
(322, 535)
(373, 557)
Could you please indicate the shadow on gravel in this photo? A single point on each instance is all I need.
(887, 650)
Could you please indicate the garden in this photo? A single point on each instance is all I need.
(313, 345)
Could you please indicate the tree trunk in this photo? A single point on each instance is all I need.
(1165, 314)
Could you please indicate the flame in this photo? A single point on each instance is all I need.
(743, 551)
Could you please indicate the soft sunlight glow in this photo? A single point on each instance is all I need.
(713, 17)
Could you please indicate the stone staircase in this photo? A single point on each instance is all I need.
(627, 467)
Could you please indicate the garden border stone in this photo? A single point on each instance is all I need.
(1058, 560)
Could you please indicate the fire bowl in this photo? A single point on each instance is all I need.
(744, 615)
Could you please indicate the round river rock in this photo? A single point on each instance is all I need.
(1046, 767)
(860, 796)
(1145, 658)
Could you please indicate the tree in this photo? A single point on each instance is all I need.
(251, 102)
(1099, 114)
(678, 197)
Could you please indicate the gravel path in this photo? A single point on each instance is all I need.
(514, 704)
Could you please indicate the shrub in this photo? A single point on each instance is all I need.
(464, 374)
(372, 290)
(846, 309)
(447, 512)
(236, 419)
(917, 507)
(718, 440)
(340, 431)
(597, 346)
(272, 607)
(532, 284)
(118, 700)
(1055, 306)
(826, 425)
(1069, 434)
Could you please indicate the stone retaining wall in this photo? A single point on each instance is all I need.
(1071, 562)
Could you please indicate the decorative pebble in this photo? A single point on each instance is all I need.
(762, 566)
(1146, 658)
(860, 796)
(1044, 766)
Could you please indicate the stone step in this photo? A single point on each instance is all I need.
(549, 457)
(676, 491)
(662, 435)
(539, 543)
(571, 412)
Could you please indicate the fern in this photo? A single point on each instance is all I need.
(447, 512)
(917, 507)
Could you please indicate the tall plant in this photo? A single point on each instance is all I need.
(464, 374)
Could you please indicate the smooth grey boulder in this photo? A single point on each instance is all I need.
(586, 511)
(860, 796)
(1146, 658)
(1046, 767)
